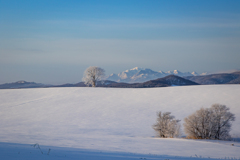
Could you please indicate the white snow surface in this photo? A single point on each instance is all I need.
(112, 119)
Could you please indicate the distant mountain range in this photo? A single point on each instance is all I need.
(144, 74)
(22, 84)
(138, 75)
(170, 80)
(221, 78)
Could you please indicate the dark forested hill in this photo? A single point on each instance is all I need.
(170, 80)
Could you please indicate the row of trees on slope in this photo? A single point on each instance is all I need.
(206, 123)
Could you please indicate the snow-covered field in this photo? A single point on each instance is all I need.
(108, 123)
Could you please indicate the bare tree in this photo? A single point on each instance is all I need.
(167, 125)
(92, 75)
(198, 125)
(209, 123)
(222, 121)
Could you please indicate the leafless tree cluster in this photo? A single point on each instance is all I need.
(209, 123)
(92, 75)
(167, 125)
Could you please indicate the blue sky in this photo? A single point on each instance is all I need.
(54, 41)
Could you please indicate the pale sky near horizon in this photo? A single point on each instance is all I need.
(54, 41)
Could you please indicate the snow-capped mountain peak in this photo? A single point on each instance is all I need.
(203, 74)
(139, 74)
(21, 81)
(134, 70)
(176, 72)
(137, 68)
(129, 73)
(161, 72)
(194, 73)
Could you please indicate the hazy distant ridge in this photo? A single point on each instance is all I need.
(21, 84)
(221, 78)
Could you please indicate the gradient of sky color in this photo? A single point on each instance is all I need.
(54, 41)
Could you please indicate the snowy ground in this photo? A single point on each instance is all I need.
(107, 122)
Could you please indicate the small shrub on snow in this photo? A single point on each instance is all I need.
(209, 123)
(167, 125)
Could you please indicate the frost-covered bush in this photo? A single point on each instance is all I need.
(167, 125)
(209, 123)
(92, 75)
